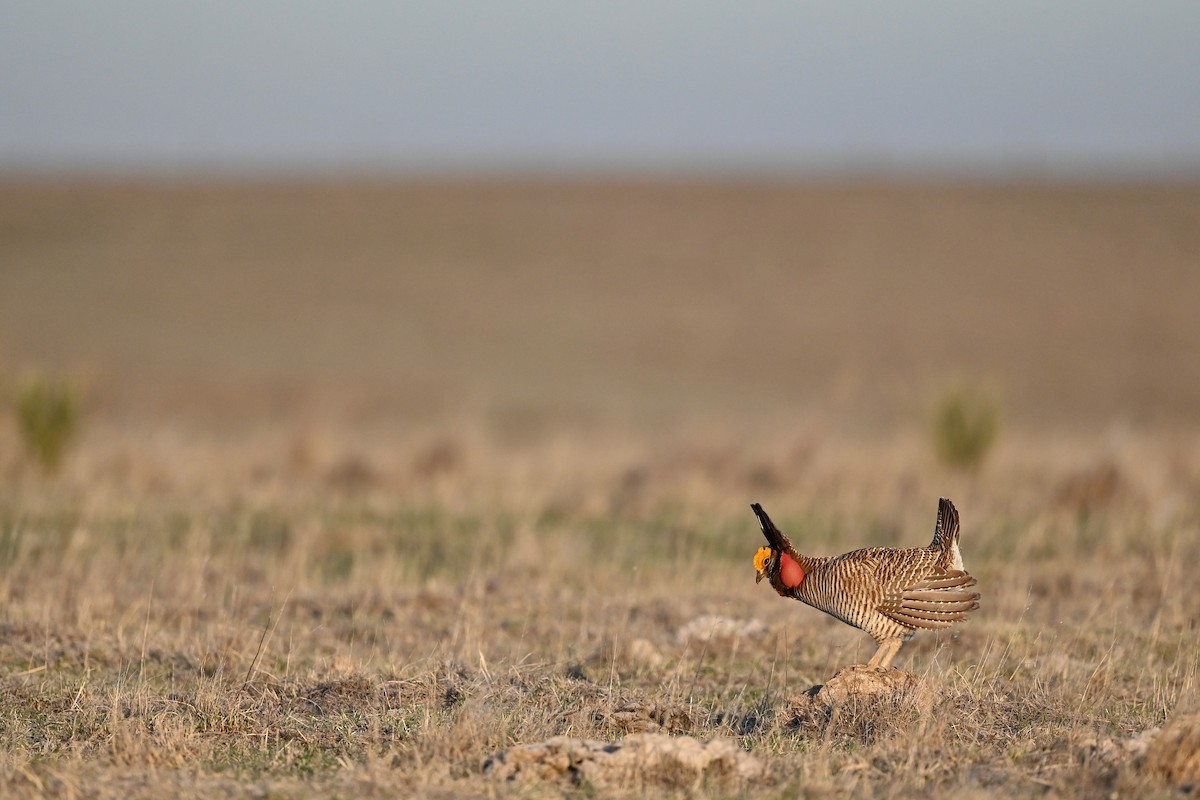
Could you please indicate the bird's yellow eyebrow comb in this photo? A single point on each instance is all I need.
(760, 558)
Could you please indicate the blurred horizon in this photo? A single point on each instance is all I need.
(638, 305)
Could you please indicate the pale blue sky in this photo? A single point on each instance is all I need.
(155, 84)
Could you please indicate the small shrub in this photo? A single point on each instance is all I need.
(965, 426)
(48, 419)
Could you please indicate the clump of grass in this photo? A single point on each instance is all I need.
(48, 412)
(965, 425)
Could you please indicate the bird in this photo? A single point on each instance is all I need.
(889, 592)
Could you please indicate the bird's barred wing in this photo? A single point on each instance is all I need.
(936, 601)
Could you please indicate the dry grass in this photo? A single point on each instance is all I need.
(270, 632)
(314, 582)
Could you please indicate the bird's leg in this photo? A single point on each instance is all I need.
(893, 646)
(875, 659)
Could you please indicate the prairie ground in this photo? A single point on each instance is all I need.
(377, 480)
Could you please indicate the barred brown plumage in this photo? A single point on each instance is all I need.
(889, 592)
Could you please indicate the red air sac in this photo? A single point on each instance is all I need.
(789, 571)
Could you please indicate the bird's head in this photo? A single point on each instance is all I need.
(780, 569)
(776, 562)
(765, 561)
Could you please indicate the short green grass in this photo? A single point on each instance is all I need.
(965, 425)
(48, 414)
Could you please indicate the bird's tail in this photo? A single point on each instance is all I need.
(945, 535)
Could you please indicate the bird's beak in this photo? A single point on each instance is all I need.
(758, 577)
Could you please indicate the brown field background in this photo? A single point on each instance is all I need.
(376, 479)
(598, 301)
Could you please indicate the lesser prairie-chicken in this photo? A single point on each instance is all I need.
(889, 592)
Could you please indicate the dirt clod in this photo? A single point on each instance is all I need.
(636, 717)
(712, 626)
(1174, 754)
(637, 759)
(861, 689)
